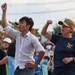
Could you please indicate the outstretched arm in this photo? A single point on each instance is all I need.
(4, 8)
(44, 30)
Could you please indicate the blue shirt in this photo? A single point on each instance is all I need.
(37, 68)
(65, 47)
(10, 65)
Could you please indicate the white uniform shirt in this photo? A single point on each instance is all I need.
(25, 46)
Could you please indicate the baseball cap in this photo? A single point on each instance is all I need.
(67, 23)
(8, 40)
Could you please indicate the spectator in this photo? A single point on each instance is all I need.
(37, 68)
(2, 67)
(6, 43)
(44, 66)
(9, 60)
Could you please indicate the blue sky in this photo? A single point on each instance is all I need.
(40, 11)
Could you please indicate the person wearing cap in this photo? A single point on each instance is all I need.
(26, 43)
(49, 52)
(48, 47)
(6, 43)
(9, 60)
(64, 53)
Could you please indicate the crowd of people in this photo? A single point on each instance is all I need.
(27, 56)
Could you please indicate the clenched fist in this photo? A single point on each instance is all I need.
(49, 22)
(4, 7)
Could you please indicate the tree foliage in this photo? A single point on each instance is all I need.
(57, 29)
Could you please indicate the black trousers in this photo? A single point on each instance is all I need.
(67, 70)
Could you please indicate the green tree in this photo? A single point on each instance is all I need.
(0, 22)
(73, 34)
(57, 29)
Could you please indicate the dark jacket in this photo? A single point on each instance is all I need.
(2, 67)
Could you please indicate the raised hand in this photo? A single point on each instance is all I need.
(49, 22)
(4, 7)
(4, 20)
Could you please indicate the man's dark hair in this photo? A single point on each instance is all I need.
(29, 21)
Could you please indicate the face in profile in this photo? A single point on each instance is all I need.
(23, 26)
